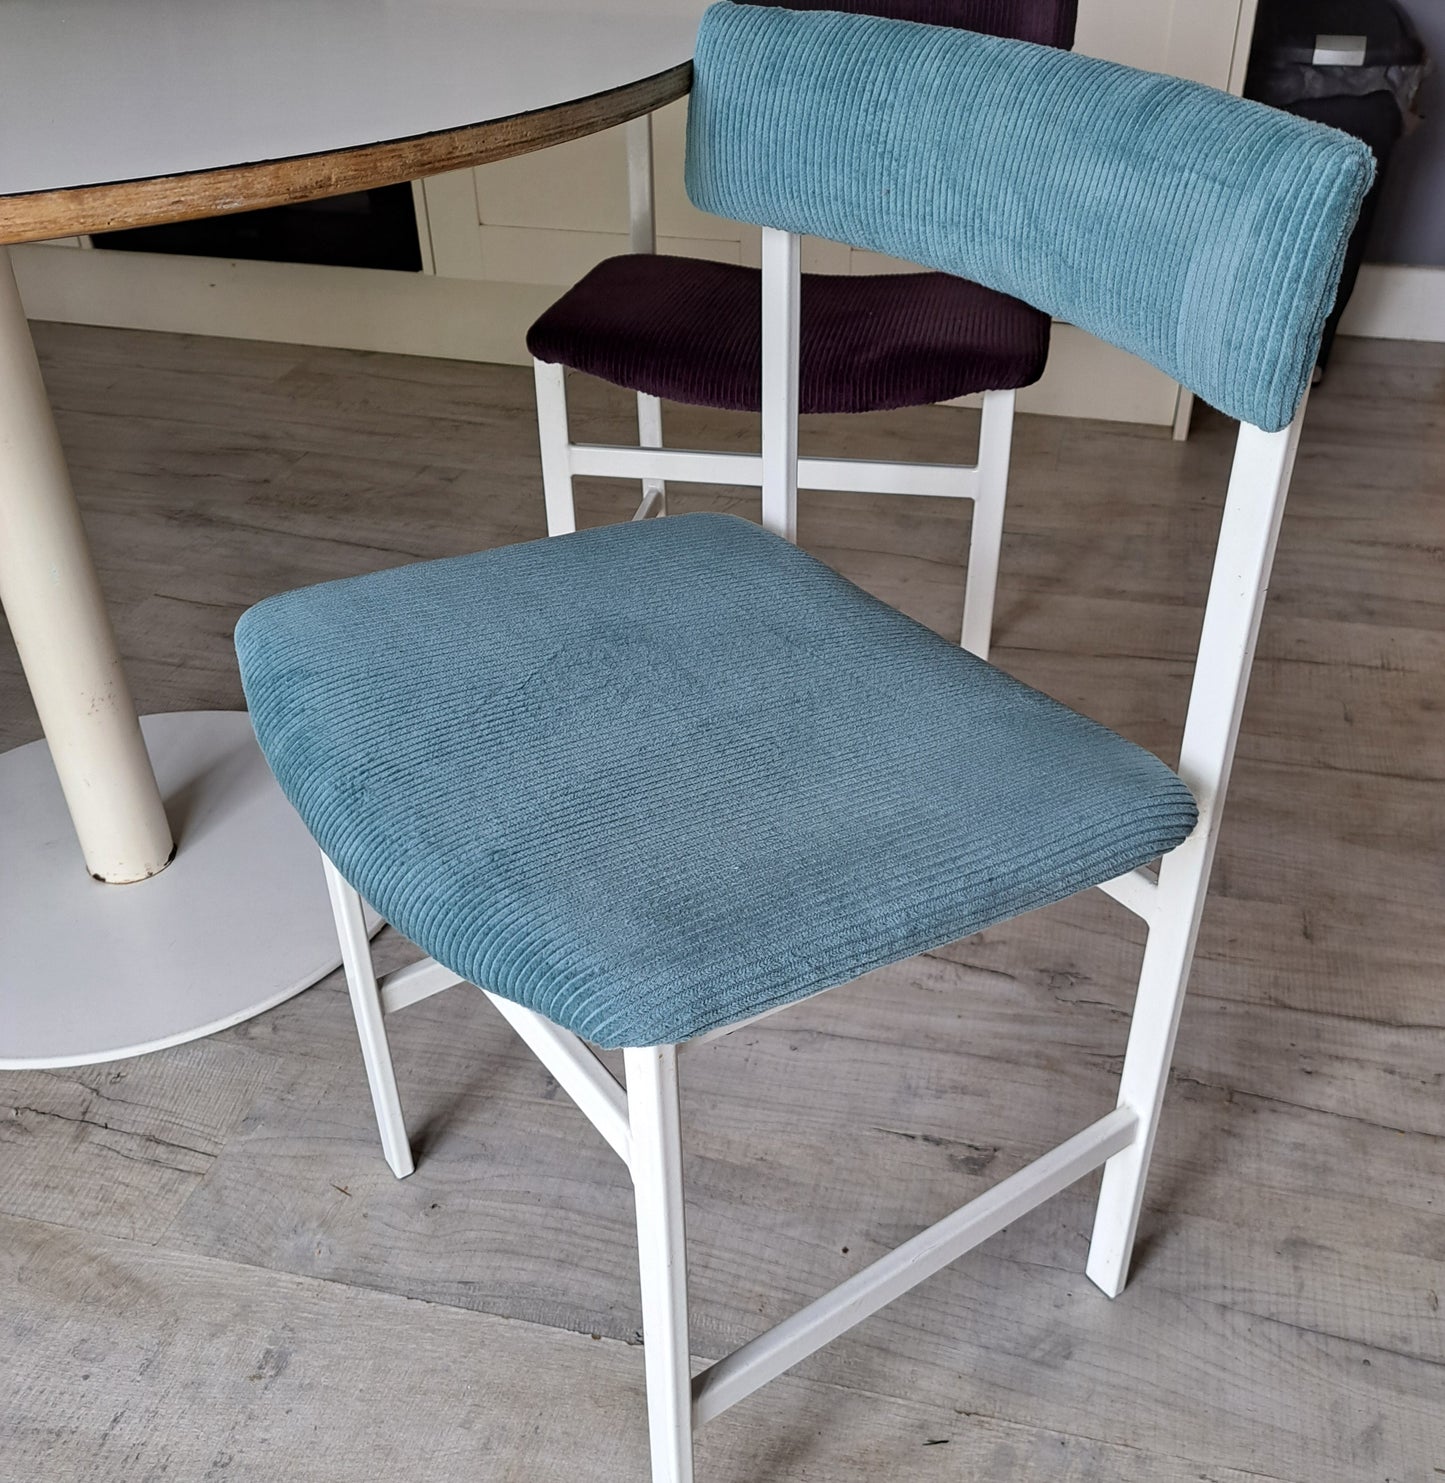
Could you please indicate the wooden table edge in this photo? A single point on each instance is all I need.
(39, 215)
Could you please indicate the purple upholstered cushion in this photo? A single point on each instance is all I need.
(1047, 22)
(690, 331)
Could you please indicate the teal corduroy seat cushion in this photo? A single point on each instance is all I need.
(654, 778)
(1199, 231)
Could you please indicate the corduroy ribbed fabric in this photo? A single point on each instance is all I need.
(1047, 22)
(691, 331)
(654, 778)
(1202, 232)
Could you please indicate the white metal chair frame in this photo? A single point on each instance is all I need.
(985, 482)
(641, 1122)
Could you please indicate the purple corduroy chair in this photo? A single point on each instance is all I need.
(689, 330)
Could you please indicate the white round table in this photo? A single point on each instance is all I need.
(154, 884)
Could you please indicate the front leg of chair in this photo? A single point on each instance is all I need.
(995, 441)
(662, 1256)
(556, 446)
(365, 993)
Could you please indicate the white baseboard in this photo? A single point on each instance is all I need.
(1395, 303)
(455, 318)
(292, 303)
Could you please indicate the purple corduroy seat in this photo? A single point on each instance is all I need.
(1046, 22)
(869, 344)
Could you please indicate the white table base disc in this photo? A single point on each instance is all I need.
(238, 922)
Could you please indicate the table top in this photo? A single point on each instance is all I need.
(253, 102)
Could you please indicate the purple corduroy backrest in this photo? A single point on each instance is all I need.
(1047, 22)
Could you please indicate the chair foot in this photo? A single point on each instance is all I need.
(1108, 1269)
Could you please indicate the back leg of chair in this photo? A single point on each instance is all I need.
(649, 435)
(782, 339)
(656, 1164)
(555, 442)
(350, 917)
(1253, 509)
(642, 237)
(995, 441)
(1158, 1003)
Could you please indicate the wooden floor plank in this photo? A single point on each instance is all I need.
(121, 1362)
(118, 1149)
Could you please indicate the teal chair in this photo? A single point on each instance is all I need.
(644, 784)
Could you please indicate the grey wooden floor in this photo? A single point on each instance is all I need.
(206, 1271)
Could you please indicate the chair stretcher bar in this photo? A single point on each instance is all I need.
(839, 475)
(762, 1359)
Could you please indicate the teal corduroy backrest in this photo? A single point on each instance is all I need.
(1201, 232)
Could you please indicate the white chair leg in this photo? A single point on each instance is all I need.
(555, 440)
(350, 917)
(1253, 509)
(649, 435)
(782, 296)
(995, 440)
(641, 207)
(1183, 878)
(642, 237)
(662, 1256)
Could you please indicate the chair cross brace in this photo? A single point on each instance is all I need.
(1137, 890)
(836, 475)
(767, 1356)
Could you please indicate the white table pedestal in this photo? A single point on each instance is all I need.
(110, 943)
(58, 621)
(237, 923)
